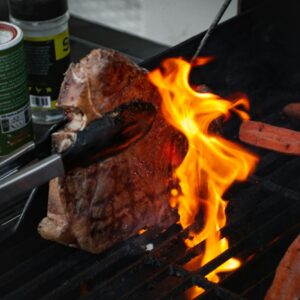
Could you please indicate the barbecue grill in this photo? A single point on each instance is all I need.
(256, 53)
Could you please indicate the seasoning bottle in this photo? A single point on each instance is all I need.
(46, 41)
(15, 113)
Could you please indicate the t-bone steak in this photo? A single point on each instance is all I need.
(93, 208)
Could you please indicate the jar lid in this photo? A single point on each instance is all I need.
(10, 35)
(37, 10)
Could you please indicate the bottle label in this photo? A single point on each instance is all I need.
(47, 60)
(15, 112)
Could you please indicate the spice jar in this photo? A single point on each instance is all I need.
(46, 41)
(15, 114)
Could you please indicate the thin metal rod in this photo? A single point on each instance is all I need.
(211, 29)
(25, 209)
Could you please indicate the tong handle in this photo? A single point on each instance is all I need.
(15, 160)
(29, 152)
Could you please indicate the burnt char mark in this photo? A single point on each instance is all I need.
(125, 220)
(79, 184)
(99, 207)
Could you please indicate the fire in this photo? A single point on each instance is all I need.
(211, 164)
(141, 231)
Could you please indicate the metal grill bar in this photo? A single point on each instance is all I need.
(18, 275)
(261, 265)
(36, 287)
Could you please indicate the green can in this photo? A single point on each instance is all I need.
(15, 114)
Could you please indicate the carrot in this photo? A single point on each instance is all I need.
(292, 110)
(286, 283)
(270, 137)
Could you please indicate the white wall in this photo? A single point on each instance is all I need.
(165, 21)
(172, 21)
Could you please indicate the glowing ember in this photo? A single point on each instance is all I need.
(141, 231)
(211, 164)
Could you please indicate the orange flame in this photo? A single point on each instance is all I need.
(141, 231)
(211, 164)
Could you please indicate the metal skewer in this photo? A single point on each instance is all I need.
(211, 29)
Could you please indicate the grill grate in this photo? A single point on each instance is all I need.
(36, 269)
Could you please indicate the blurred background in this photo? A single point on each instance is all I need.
(165, 21)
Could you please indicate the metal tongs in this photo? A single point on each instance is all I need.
(103, 138)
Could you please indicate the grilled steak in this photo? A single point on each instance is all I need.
(95, 207)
